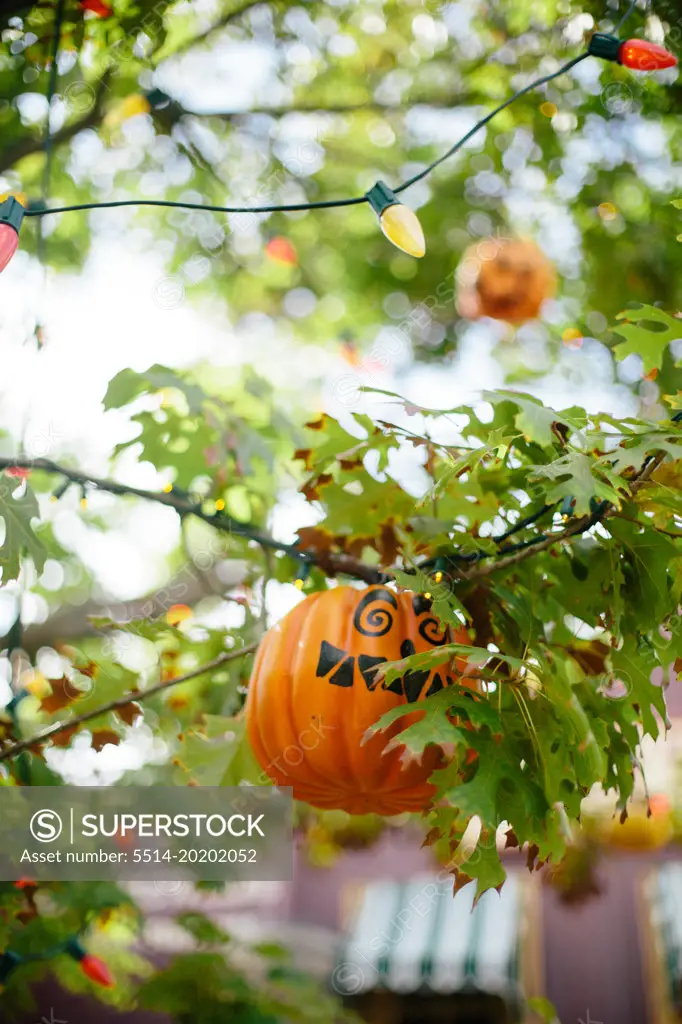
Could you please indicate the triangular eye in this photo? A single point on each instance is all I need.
(436, 685)
(367, 665)
(414, 682)
(330, 657)
(344, 674)
(396, 686)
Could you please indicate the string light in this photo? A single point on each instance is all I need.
(8, 961)
(398, 222)
(97, 7)
(92, 966)
(439, 570)
(636, 54)
(11, 216)
(302, 574)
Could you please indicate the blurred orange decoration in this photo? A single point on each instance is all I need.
(352, 355)
(281, 250)
(506, 279)
(178, 613)
(17, 471)
(644, 828)
(97, 7)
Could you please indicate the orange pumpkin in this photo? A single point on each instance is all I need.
(313, 694)
(506, 279)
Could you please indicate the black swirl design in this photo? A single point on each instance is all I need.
(376, 621)
(431, 631)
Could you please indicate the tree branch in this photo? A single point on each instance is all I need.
(331, 563)
(577, 527)
(223, 22)
(188, 586)
(34, 144)
(120, 702)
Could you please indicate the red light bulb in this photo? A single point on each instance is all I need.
(9, 242)
(11, 216)
(102, 10)
(641, 55)
(96, 970)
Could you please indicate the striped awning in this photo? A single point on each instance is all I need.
(416, 937)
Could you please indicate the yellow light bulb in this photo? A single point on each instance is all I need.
(401, 226)
(220, 505)
(398, 222)
(427, 596)
(168, 488)
(298, 584)
(438, 576)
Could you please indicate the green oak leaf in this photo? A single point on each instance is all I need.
(641, 340)
(128, 385)
(17, 511)
(535, 420)
(574, 476)
(484, 867)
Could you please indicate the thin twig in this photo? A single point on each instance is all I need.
(120, 702)
(677, 534)
(332, 563)
(34, 144)
(577, 527)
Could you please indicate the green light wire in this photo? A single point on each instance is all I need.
(41, 211)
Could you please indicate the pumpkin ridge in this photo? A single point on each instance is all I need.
(286, 656)
(390, 762)
(312, 625)
(305, 772)
(349, 600)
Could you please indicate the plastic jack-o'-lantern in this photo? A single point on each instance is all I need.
(314, 693)
(506, 279)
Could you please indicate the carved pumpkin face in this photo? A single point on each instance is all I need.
(504, 279)
(313, 694)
